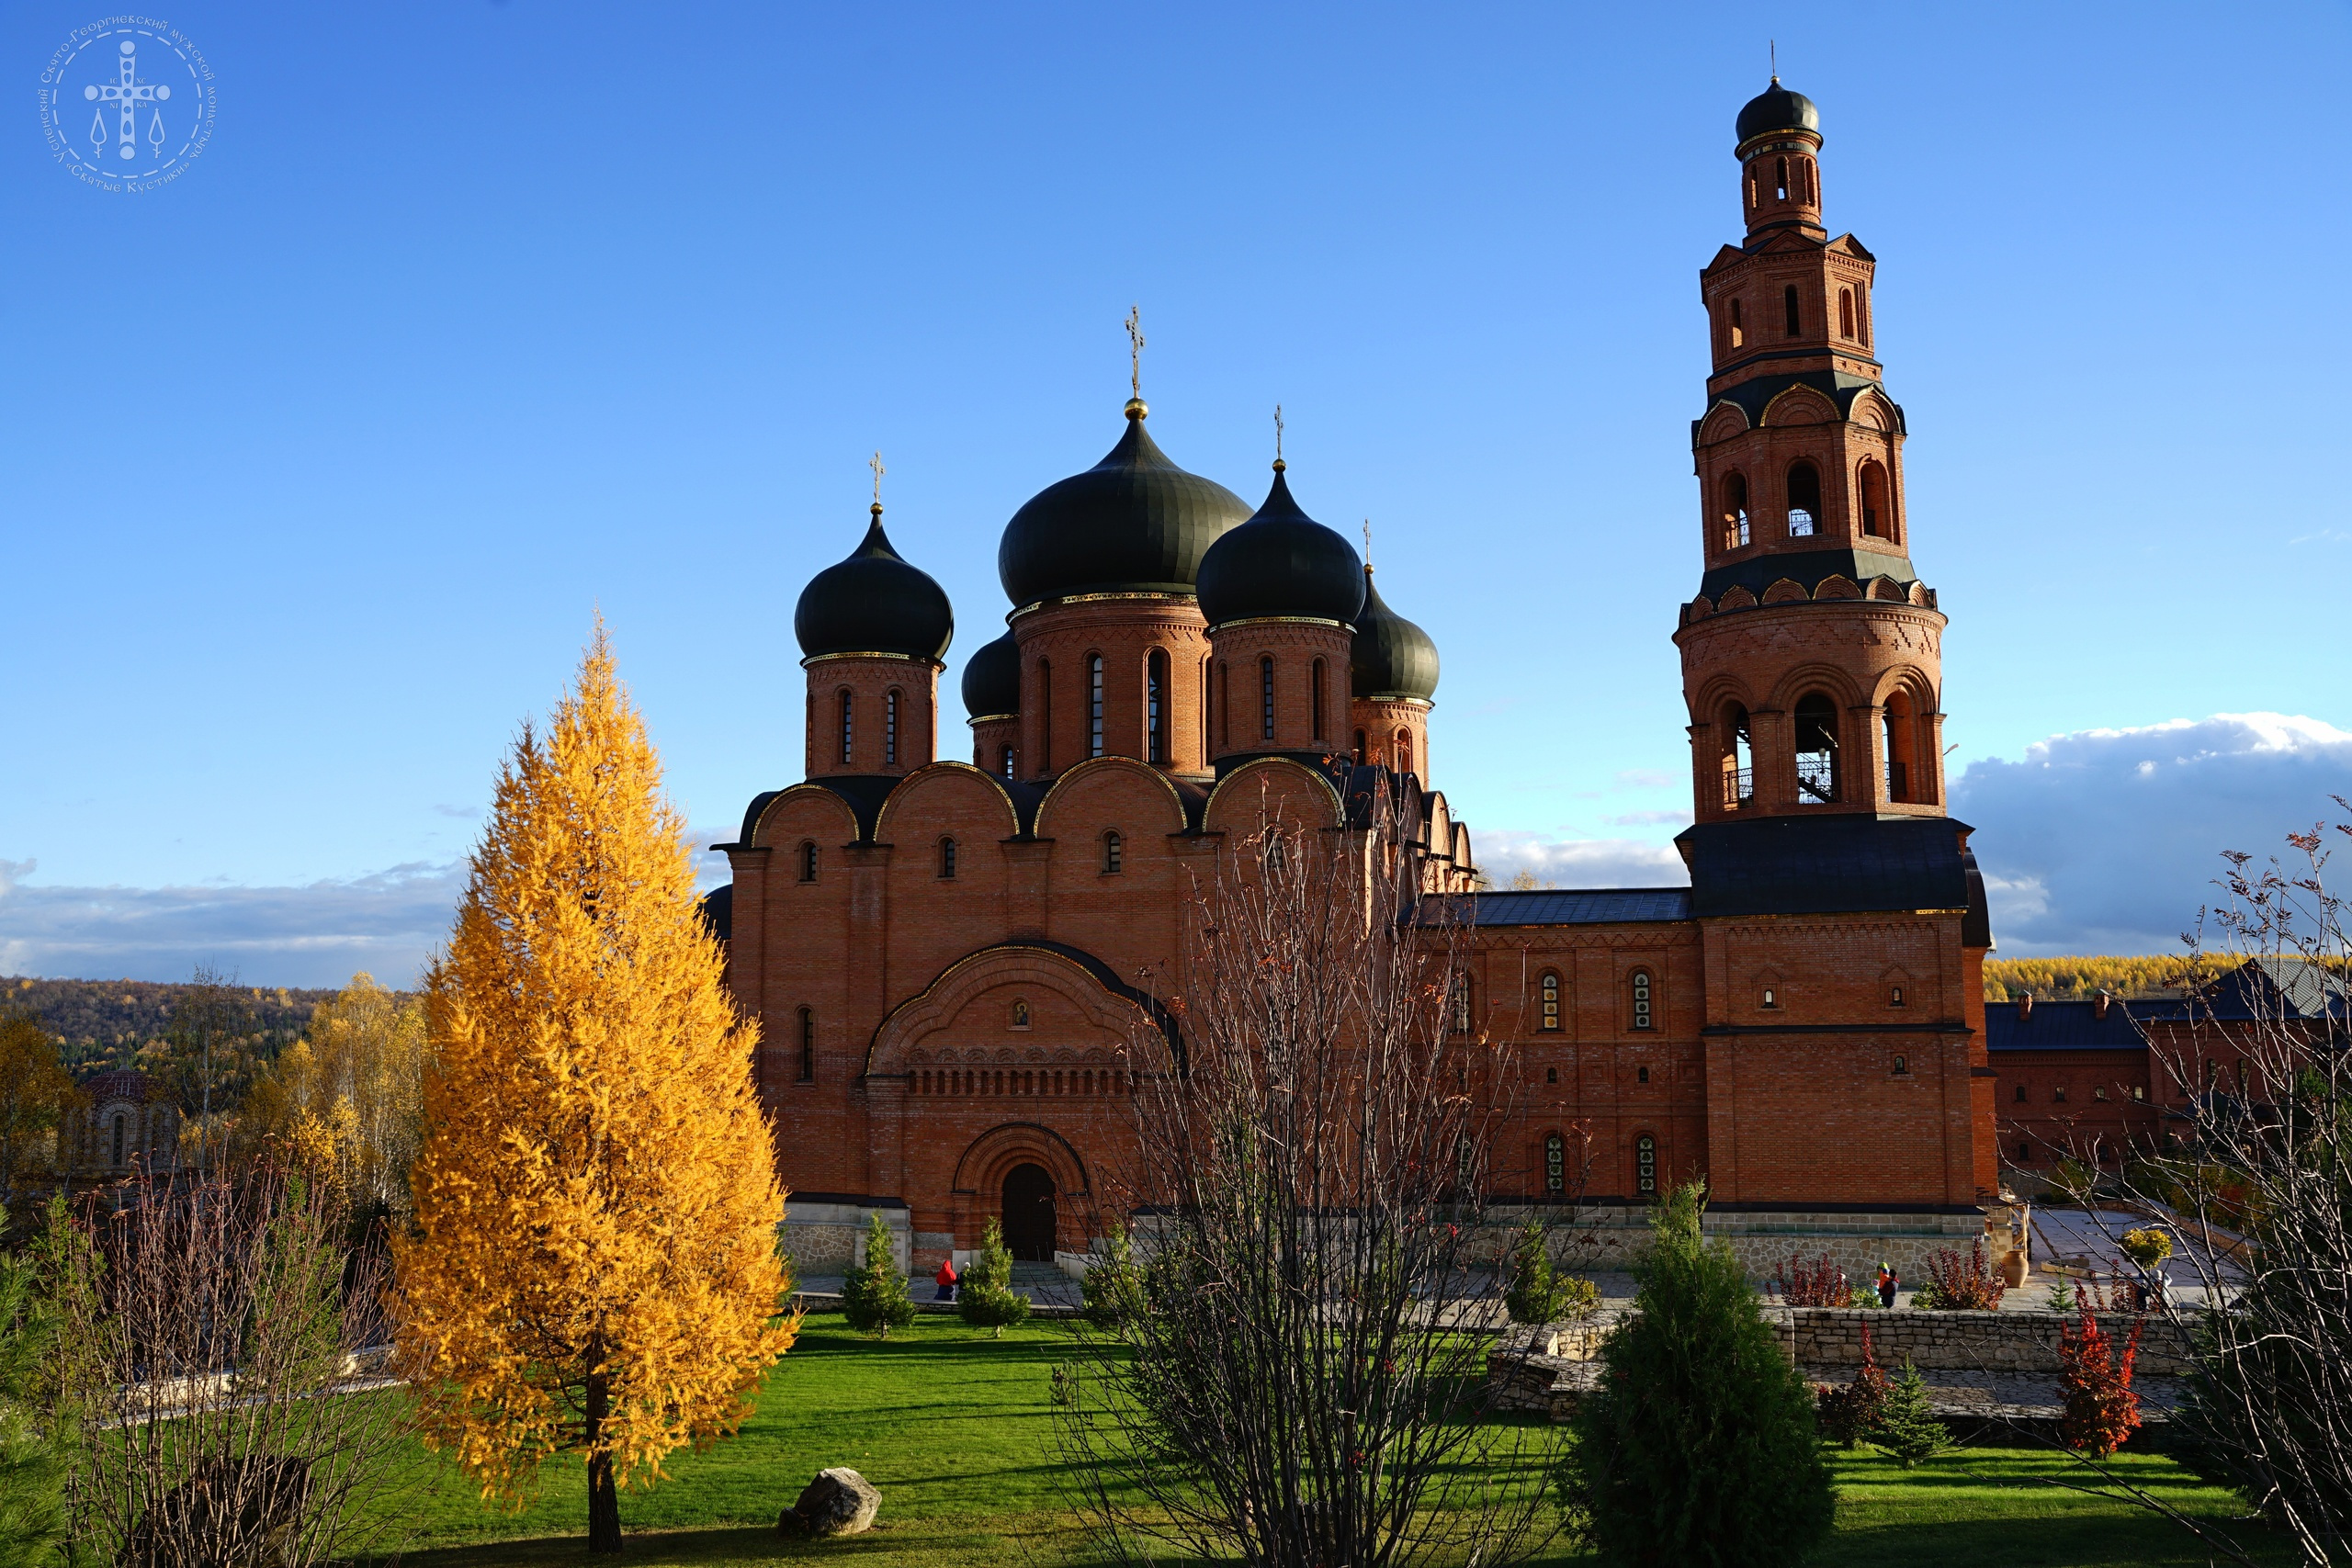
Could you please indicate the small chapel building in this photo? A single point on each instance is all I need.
(943, 955)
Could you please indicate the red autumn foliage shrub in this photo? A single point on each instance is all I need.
(1850, 1414)
(2102, 1412)
(1963, 1282)
(1822, 1285)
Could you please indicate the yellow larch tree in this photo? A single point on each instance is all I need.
(593, 1264)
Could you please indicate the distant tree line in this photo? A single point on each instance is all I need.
(100, 1025)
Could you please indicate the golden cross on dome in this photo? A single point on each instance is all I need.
(1134, 349)
(1367, 544)
(1278, 434)
(875, 463)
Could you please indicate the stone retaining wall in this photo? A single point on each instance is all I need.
(1991, 1341)
(829, 1239)
(1763, 1241)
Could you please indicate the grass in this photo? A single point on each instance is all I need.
(955, 1430)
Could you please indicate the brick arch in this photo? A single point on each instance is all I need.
(1910, 678)
(899, 791)
(1232, 784)
(1837, 683)
(1873, 412)
(1727, 421)
(991, 1157)
(1029, 967)
(1800, 405)
(1061, 787)
(799, 793)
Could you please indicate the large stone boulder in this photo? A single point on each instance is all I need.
(838, 1502)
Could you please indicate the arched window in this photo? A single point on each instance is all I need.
(1266, 699)
(1738, 759)
(947, 858)
(1738, 327)
(890, 728)
(1645, 1164)
(1555, 1164)
(1780, 181)
(119, 1127)
(1902, 1066)
(1115, 851)
(2020, 1096)
(1045, 716)
(808, 1045)
(1643, 1014)
(1551, 1075)
(1095, 705)
(1458, 1004)
(1895, 995)
(1208, 744)
(1846, 313)
(807, 860)
(1816, 738)
(1155, 697)
(1315, 683)
(1008, 761)
(1550, 989)
(1901, 738)
(1404, 752)
(2025, 1152)
(1790, 317)
(1360, 756)
(1804, 499)
(1224, 702)
(1735, 510)
(848, 727)
(1641, 1074)
(1877, 521)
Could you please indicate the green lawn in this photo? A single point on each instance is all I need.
(954, 1427)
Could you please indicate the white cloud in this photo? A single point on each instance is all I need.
(387, 923)
(1577, 862)
(2108, 841)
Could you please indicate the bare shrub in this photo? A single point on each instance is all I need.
(215, 1337)
(1821, 1285)
(1296, 1380)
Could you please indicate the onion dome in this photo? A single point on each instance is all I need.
(992, 680)
(1391, 656)
(1777, 108)
(1134, 523)
(874, 602)
(1281, 562)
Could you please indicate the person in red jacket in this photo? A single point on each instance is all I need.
(946, 1279)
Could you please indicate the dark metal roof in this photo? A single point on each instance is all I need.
(1391, 657)
(1281, 562)
(1808, 570)
(1133, 523)
(719, 912)
(992, 678)
(1579, 906)
(2062, 1026)
(1776, 108)
(1820, 865)
(873, 602)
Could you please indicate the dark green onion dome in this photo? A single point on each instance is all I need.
(1281, 562)
(1777, 108)
(992, 678)
(874, 602)
(1391, 657)
(1134, 523)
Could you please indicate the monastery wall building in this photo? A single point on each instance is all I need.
(945, 956)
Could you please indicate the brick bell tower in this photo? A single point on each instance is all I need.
(1842, 915)
(1811, 658)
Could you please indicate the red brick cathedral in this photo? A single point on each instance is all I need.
(942, 955)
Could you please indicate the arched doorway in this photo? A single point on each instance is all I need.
(1029, 1214)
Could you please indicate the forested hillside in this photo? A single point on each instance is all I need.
(2056, 980)
(99, 1024)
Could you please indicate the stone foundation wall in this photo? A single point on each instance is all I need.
(1764, 1241)
(830, 1239)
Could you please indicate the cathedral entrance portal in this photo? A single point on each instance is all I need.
(1029, 1214)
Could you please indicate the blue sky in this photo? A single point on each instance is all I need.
(471, 318)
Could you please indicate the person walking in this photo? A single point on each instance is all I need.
(945, 1279)
(1888, 1280)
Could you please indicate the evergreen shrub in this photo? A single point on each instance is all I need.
(1850, 1414)
(1906, 1432)
(874, 1295)
(984, 1297)
(1698, 1443)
